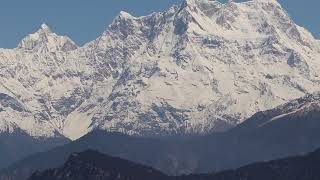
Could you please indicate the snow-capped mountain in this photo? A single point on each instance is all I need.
(199, 67)
(46, 41)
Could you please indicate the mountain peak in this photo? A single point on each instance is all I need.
(45, 40)
(274, 1)
(266, 1)
(44, 27)
(198, 2)
(190, 3)
(125, 15)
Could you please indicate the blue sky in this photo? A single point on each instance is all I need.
(84, 20)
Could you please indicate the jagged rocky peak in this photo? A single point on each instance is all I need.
(120, 25)
(123, 22)
(214, 16)
(45, 40)
(191, 3)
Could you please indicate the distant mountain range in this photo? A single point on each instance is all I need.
(289, 129)
(96, 166)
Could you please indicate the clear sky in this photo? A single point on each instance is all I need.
(84, 20)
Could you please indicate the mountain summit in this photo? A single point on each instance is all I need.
(45, 40)
(196, 68)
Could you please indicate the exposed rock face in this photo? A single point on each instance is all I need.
(193, 69)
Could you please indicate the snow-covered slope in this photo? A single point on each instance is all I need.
(199, 67)
(300, 107)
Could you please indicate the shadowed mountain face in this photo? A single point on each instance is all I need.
(294, 168)
(148, 151)
(96, 166)
(18, 144)
(290, 129)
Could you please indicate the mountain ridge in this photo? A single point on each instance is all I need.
(94, 165)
